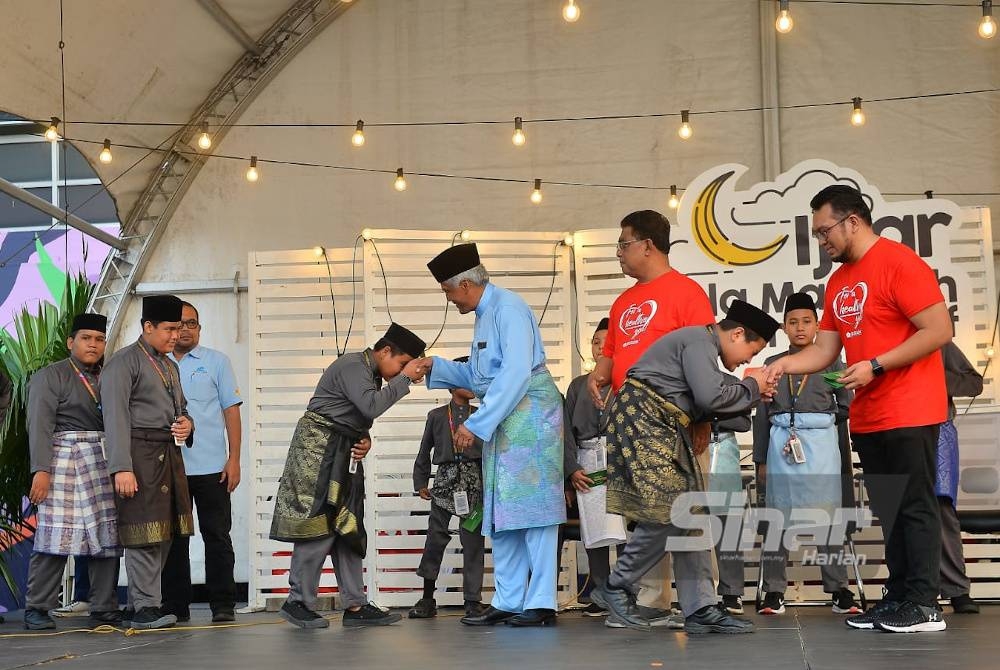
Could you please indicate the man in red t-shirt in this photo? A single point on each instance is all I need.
(662, 300)
(885, 308)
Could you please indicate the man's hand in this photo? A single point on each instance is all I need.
(766, 381)
(40, 484)
(181, 428)
(361, 448)
(773, 373)
(580, 481)
(463, 438)
(570, 496)
(595, 381)
(125, 484)
(425, 493)
(231, 475)
(415, 370)
(701, 433)
(857, 375)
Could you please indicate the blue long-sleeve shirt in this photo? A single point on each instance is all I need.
(506, 347)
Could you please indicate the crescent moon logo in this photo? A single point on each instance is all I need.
(715, 243)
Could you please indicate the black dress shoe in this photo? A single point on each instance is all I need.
(490, 617)
(538, 617)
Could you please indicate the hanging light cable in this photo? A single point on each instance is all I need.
(518, 138)
(857, 115)
(204, 139)
(685, 131)
(105, 156)
(783, 24)
(52, 132)
(673, 202)
(571, 12)
(400, 183)
(536, 194)
(988, 26)
(252, 174)
(358, 138)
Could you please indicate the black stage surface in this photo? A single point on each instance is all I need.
(804, 638)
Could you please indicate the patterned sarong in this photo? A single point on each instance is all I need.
(450, 478)
(78, 516)
(317, 495)
(161, 508)
(650, 458)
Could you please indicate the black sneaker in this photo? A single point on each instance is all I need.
(299, 615)
(867, 620)
(149, 618)
(712, 619)
(425, 609)
(38, 620)
(593, 609)
(109, 618)
(223, 616)
(622, 609)
(912, 618)
(370, 615)
(773, 604)
(844, 603)
(183, 614)
(733, 604)
(964, 604)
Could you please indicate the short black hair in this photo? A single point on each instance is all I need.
(650, 225)
(185, 303)
(143, 322)
(383, 343)
(844, 201)
(750, 336)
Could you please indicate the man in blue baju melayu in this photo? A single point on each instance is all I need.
(520, 423)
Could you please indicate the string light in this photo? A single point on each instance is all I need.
(204, 139)
(52, 132)
(252, 174)
(367, 234)
(466, 235)
(358, 138)
(990, 352)
(858, 115)
(518, 138)
(784, 24)
(673, 202)
(536, 194)
(105, 156)
(929, 195)
(685, 131)
(571, 12)
(318, 251)
(400, 183)
(988, 26)
(568, 239)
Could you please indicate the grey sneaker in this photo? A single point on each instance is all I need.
(912, 618)
(713, 619)
(621, 607)
(38, 620)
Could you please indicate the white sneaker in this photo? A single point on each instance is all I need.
(74, 609)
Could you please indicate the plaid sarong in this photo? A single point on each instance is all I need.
(78, 516)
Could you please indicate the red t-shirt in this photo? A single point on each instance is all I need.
(645, 312)
(869, 303)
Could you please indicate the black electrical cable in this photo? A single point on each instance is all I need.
(385, 280)
(552, 284)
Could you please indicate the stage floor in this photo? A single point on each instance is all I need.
(808, 638)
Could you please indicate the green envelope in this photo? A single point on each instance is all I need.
(474, 520)
(833, 379)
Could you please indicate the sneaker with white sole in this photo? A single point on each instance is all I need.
(593, 609)
(733, 604)
(773, 604)
(844, 603)
(875, 613)
(76, 608)
(912, 618)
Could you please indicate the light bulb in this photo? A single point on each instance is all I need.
(466, 235)
(204, 139)
(400, 183)
(858, 115)
(318, 251)
(518, 138)
(570, 11)
(673, 202)
(252, 174)
(358, 138)
(366, 234)
(105, 156)
(990, 352)
(685, 131)
(988, 26)
(52, 132)
(783, 24)
(536, 195)
(568, 239)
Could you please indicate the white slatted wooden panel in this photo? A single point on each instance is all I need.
(293, 339)
(599, 281)
(522, 262)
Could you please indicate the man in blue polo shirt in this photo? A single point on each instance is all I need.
(213, 472)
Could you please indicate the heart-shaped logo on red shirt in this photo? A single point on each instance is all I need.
(849, 304)
(636, 319)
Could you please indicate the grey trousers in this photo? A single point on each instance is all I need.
(732, 577)
(834, 574)
(438, 537)
(307, 566)
(144, 567)
(45, 573)
(954, 581)
(692, 569)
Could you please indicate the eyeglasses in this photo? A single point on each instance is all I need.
(823, 233)
(190, 324)
(623, 244)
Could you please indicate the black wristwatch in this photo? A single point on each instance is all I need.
(877, 368)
